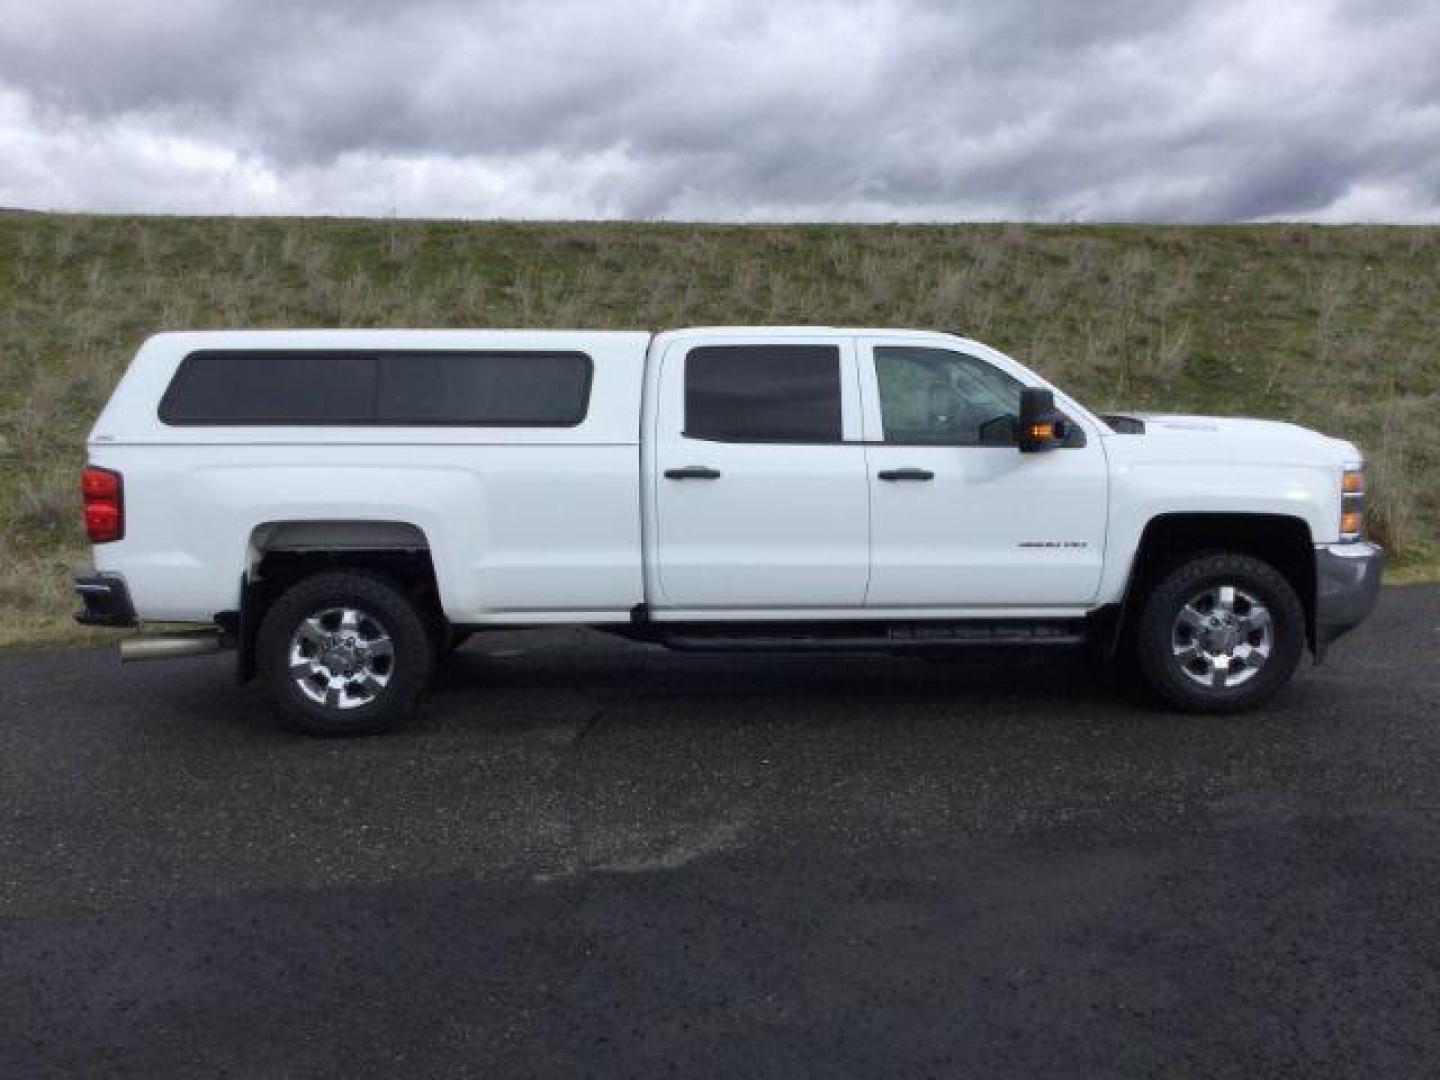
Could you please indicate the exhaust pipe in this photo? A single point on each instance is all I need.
(170, 646)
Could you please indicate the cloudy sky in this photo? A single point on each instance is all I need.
(726, 109)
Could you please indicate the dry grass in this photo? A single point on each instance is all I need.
(1328, 326)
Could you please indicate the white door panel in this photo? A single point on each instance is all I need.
(993, 527)
(988, 525)
(779, 527)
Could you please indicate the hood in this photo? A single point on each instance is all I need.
(1228, 438)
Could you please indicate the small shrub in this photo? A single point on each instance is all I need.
(46, 506)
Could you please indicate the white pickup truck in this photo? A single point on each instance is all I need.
(342, 506)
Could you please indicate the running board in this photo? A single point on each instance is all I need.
(830, 637)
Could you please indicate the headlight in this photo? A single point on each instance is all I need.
(1352, 504)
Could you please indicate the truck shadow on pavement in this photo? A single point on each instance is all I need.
(507, 674)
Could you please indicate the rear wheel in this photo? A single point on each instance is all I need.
(1220, 633)
(344, 653)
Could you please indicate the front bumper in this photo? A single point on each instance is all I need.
(1347, 584)
(106, 601)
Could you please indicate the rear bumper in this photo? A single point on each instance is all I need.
(1347, 584)
(105, 600)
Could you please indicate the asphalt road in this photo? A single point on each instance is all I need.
(595, 857)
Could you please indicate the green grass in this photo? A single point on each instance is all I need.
(1330, 326)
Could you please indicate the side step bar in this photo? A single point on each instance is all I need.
(872, 637)
(172, 646)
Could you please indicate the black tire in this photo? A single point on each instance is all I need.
(1200, 684)
(384, 611)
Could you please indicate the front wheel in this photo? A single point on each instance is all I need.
(344, 653)
(1220, 633)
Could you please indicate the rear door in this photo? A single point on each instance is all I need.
(758, 475)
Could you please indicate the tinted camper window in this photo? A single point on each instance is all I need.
(523, 388)
(534, 389)
(271, 388)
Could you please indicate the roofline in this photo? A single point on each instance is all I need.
(359, 331)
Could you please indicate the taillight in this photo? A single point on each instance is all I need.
(104, 497)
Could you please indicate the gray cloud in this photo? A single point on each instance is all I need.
(737, 109)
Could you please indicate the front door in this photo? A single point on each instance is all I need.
(759, 501)
(958, 516)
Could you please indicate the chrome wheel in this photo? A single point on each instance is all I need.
(341, 657)
(1222, 637)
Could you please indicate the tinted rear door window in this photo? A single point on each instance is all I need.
(763, 393)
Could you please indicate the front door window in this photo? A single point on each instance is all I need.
(937, 397)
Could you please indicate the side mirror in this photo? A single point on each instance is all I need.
(1039, 422)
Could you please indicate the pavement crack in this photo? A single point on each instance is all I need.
(587, 729)
(571, 782)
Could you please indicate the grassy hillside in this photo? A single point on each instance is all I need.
(1334, 327)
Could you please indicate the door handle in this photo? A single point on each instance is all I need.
(906, 474)
(693, 472)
